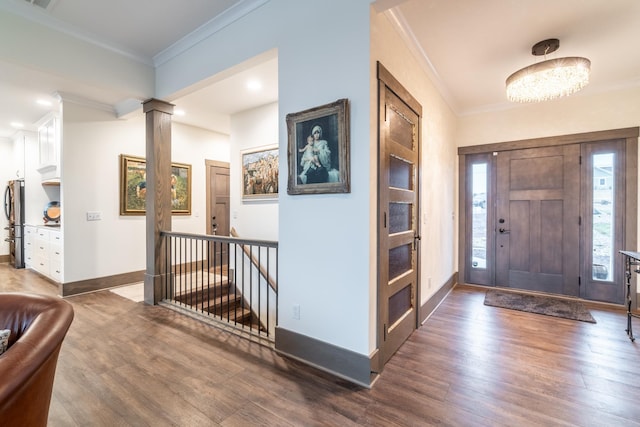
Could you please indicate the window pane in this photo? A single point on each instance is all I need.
(479, 216)
(603, 216)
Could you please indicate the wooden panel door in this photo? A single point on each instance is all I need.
(398, 215)
(218, 211)
(537, 219)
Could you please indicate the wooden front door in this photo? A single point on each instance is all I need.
(218, 212)
(398, 214)
(537, 219)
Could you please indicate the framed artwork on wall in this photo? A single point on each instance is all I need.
(318, 149)
(260, 173)
(133, 186)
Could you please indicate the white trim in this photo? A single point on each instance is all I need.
(77, 99)
(206, 30)
(398, 21)
(39, 16)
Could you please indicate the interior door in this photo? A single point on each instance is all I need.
(398, 214)
(218, 211)
(537, 219)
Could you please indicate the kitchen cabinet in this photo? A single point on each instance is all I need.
(49, 147)
(43, 251)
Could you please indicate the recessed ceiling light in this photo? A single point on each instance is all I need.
(179, 112)
(44, 103)
(17, 125)
(254, 85)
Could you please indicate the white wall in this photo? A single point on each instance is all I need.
(253, 219)
(93, 69)
(329, 278)
(6, 168)
(193, 146)
(438, 192)
(93, 142)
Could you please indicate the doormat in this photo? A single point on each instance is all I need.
(549, 306)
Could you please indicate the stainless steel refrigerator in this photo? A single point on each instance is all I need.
(14, 210)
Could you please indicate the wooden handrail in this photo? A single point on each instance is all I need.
(254, 260)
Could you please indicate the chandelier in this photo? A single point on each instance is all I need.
(549, 79)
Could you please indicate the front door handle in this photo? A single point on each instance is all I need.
(503, 231)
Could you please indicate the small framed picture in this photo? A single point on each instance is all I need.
(133, 186)
(260, 173)
(318, 149)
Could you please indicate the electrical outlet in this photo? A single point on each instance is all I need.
(296, 311)
(94, 216)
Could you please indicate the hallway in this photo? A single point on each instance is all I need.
(127, 363)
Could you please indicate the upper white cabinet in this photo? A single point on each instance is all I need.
(49, 147)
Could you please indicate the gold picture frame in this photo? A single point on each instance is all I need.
(260, 173)
(318, 149)
(133, 186)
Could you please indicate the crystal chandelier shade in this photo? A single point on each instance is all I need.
(549, 79)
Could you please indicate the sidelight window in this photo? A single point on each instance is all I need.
(479, 216)
(603, 219)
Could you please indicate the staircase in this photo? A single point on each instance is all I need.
(217, 296)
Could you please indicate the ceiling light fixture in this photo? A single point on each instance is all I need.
(254, 85)
(549, 79)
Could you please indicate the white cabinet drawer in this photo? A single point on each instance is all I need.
(43, 251)
(55, 253)
(55, 237)
(42, 234)
(41, 265)
(42, 248)
(55, 270)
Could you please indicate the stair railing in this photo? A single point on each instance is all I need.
(228, 281)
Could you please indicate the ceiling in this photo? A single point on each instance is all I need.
(467, 47)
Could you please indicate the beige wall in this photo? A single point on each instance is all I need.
(438, 194)
(580, 113)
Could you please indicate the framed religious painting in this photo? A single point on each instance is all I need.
(318, 149)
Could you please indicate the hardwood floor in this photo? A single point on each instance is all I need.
(129, 364)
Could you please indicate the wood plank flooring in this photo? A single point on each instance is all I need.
(129, 364)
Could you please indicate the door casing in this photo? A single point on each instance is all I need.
(628, 139)
(398, 309)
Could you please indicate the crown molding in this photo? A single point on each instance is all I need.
(80, 100)
(399, 23)
(39, 16)
(206, 30)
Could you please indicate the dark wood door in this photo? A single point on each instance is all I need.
(398, 214)
(218, 211)
(537, 219)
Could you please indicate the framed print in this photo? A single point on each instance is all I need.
(260, 173)
(133, 186)
(180, 189)
(318, 149)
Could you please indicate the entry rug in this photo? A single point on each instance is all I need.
(539, 304)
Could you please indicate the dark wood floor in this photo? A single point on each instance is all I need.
(125, 363)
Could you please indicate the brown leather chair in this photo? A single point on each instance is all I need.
(38, 325)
